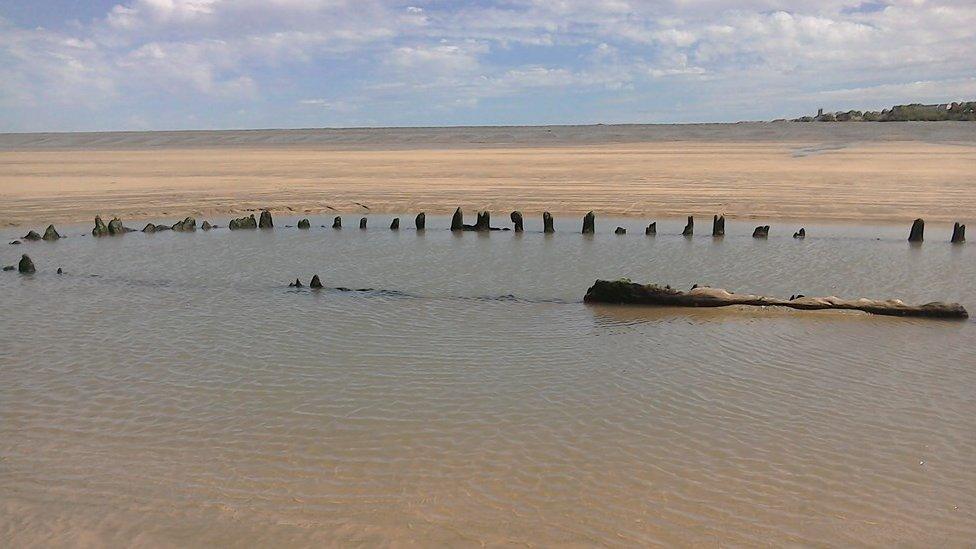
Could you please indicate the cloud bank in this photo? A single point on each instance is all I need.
(163, 64)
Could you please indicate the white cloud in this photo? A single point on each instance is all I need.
(198, 57)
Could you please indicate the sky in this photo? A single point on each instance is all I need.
(89, 65)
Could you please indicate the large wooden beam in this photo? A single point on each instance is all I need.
(626, 292)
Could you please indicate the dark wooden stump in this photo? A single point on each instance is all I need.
(547, 223)
(517, 220)
(718, 225)
(457, 221)
(420, 221)
(589, 223)
(918, 231)
(337, 222)
(395, 224)
(958, 234)
(651, 229)
(689, 227)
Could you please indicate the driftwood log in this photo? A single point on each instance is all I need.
(626, 292)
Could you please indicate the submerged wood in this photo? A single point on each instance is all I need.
(958, 234)
(589, 223)
(547, 226)
(457, 220)
(113, 228)
(801, 234)
(718, 225)
(517, 221)
(25, 266)
(420, 221)
(626, 292)
(620, 230)
(52, 234)
(918, 231)
(187, 225)
(689, 227)
(483, 222)
(241, 223)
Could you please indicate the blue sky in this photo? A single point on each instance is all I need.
(73, 65)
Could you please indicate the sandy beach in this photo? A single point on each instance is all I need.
(866, 172)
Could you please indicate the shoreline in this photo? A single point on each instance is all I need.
(846, 182)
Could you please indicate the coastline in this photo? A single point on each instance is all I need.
(145, 176)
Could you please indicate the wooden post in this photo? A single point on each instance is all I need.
(689, 227)
(918, 231)
(457, 222)
(958, 234)
(547, 223)
(517, 220)
(589, 223)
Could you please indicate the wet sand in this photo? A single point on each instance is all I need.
(834, 172)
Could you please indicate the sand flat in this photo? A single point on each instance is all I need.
(829, 178)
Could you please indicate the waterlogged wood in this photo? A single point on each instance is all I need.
(627, 292)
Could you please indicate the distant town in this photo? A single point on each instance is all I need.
(901, 113)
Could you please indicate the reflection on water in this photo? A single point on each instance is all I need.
(186, 396)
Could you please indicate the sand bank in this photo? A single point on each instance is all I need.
(883, 179)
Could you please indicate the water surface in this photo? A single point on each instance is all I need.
(170, 389)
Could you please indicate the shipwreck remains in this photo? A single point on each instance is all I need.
(589, 223)
(958, 234)
(918, 231)
(626, 292)
(718, 225)
(241, 223)
(517, 221)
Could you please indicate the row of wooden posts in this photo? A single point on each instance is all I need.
(483, 223)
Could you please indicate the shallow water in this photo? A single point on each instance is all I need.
(170, 389)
